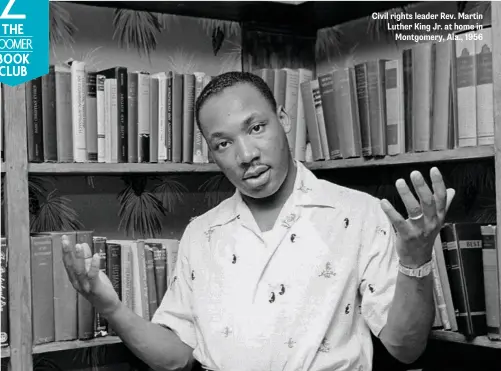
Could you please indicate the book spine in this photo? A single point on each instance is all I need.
(42, 290)
(143, 111)
(327, 93)
(114, 270)
(177, 118)
(492, 272)
(188, 117)
(64, 127)
(114, 123)
(198, 139)
(132, 117)
(49, 115)
(311, 119)
(150, 281)
(91, 117)
(154, 119)
(122, 115)
(65, 296)
(78, 110)
(100, 117)
(4, 276)
(162, 118)
(34, 120)
(85, 310)
(168, 128)
(363, 108)
(300, 143)
(100, 323)
(393, 104)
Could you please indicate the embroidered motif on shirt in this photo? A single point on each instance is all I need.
(327, 272)
(208, 233)
(282, 289)
(174, 279)
(303, 188)
(226, 331)
(234, 259)
(192, 275)
(371, 288)
(324, 346)
(360, 368)
(359, 309)
(289, 220)
(293, 237)
(290, 343)
(380, 230)
(346, 222)
(272, 297)
(347, 309)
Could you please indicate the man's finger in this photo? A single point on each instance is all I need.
(425, 196)
(411, 204)
(94, 267)
(69, 258)
(79, 262)
(439, 191)
(450, 196)
(396, 219)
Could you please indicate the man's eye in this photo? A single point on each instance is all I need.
(257, 128)
(222, 145)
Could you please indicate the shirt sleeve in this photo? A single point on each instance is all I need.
(175, 310)
(378, 268)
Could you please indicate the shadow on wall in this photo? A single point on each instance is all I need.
(142, 41)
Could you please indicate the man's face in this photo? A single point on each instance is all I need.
(247, 139)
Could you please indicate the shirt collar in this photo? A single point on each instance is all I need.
(308, 191)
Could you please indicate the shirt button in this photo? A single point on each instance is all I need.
(293, 237)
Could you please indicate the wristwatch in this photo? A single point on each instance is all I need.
(419, 272)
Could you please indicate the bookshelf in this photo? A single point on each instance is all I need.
(16, 168)
(460, 154)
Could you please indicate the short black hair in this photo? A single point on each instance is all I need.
(228, 79)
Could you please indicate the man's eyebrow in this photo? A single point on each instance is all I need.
(244, 124)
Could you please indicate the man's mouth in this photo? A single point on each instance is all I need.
(255, 172)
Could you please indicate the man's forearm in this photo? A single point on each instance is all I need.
(410, 318)
(160, 348)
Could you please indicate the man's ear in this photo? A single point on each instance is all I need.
(284, 119)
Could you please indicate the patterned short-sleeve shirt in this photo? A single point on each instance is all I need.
(304, 296)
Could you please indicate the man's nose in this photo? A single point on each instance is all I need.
(247, 151)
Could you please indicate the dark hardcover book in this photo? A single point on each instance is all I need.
(42, 290)
(85, 309)
(4, 334)
(466, 277)
(326, 86)
(150, 279)
(188, 119)
(363, 108)
(113, 270)
(132, 117)
(377, 105)
(408, 99)
(64, 124)
(34, 120)
(177, 117)
(49, 115)
(91, 116)
(100, 323)
(120, 74)
(65, 295)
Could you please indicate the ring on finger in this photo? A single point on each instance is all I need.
(417, 217)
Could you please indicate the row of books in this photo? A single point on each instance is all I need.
(467, 280)
(139, 270)
(437, 96)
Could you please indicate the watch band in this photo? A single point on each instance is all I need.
(419, 272)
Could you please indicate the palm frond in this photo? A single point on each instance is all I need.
(329, 42)
(167, 20)
(140, 210)
(231, 60)
(44, 363)
(483, 8)
(91, 356)
(55, 214)
(170, 192)
(486, 211)
(182, 62)
(61, 28)
(136, 29)
(229, 28)
(216, 189)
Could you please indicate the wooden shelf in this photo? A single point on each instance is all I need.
(5, 352)
(305, 17)
(124, 168)
(456, 337)
(75, 344)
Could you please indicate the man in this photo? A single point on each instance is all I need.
(291, 272)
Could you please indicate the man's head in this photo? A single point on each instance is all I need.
(246, 132)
